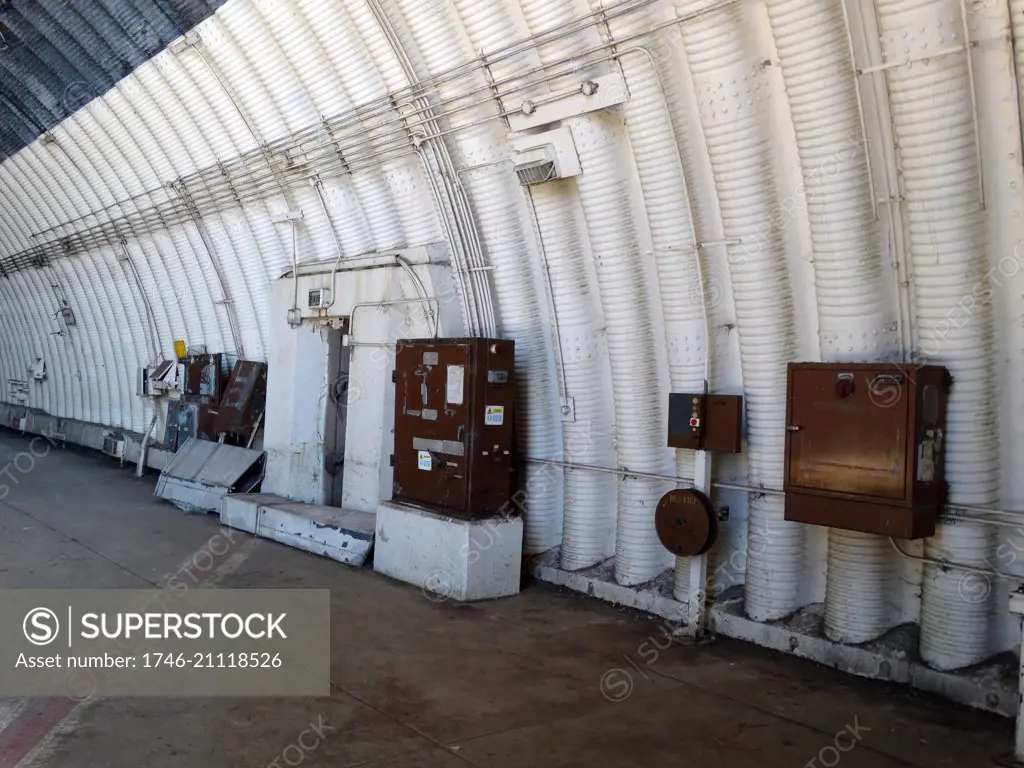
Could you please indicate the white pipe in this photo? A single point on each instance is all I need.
(498, 205)
(738, 150)
(860, 20)
(676, 256)
(383, 40)
(141, 465)
(628, 314)
(855, 322)
(1017, 35)
(630, 334)
(705, 214)
(941, 183)
(588, 528)
(152, 336)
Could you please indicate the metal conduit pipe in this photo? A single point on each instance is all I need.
(42, 195)
(588, 524)
(470, 316)
(1017, 33)
(941, 185)
(855, 321)
(523, 313)
(676, 256)
(578, 21)
(450, 198)
(730, 113)
(367, 124)
(705, 221)
(365, 121)
(166, 123)
(152, 335)
(602, 142)
(359, 85)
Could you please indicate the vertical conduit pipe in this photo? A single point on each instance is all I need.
(498, 202)
(731, 115)
(933, 119)
(706, 220)
(1017, 35)
(361, 74)
(666, 201)
(391, 46)
(588, 527)
(855, 322)
(602, 145)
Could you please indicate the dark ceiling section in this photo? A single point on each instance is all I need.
(58, 55)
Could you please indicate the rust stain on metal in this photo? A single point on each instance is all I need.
(244, 399)
(865, 447)
(454, 413)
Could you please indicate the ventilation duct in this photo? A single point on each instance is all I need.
(548, 156)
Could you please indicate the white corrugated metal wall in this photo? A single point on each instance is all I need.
(826, 180)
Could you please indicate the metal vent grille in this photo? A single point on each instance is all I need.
(536, 172)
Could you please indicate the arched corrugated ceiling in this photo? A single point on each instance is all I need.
(58, 56)
(759, 181)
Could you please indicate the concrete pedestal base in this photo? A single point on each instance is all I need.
(447, 558)
(332, 532)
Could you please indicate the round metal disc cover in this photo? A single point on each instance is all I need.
(686, 522)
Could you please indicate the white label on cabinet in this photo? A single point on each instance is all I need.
(456, 385)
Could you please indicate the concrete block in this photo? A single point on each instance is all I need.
(339, 534)
(448, 558)
(242, 510)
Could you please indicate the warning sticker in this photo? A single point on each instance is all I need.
(495, 416)
(424, 461)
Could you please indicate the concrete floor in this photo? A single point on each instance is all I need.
(542, 679)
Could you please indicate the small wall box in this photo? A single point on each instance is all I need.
(865, 447)
(702, 422)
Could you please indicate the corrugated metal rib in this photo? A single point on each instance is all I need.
(855, 321)
(933, 120)
(737, 146)
(60, 56)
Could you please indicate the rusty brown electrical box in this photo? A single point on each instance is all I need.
(865, 447)
(454, 410)
(244, 402)
(705, 422)
(204, 377)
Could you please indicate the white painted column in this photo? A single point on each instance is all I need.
(696, 614)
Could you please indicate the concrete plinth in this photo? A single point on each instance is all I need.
(332, 532)
(447, 558)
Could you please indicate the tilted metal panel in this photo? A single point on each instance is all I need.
(201, 473)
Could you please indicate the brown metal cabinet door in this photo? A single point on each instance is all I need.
(843, 439)
(492, 427)
(430, 423)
